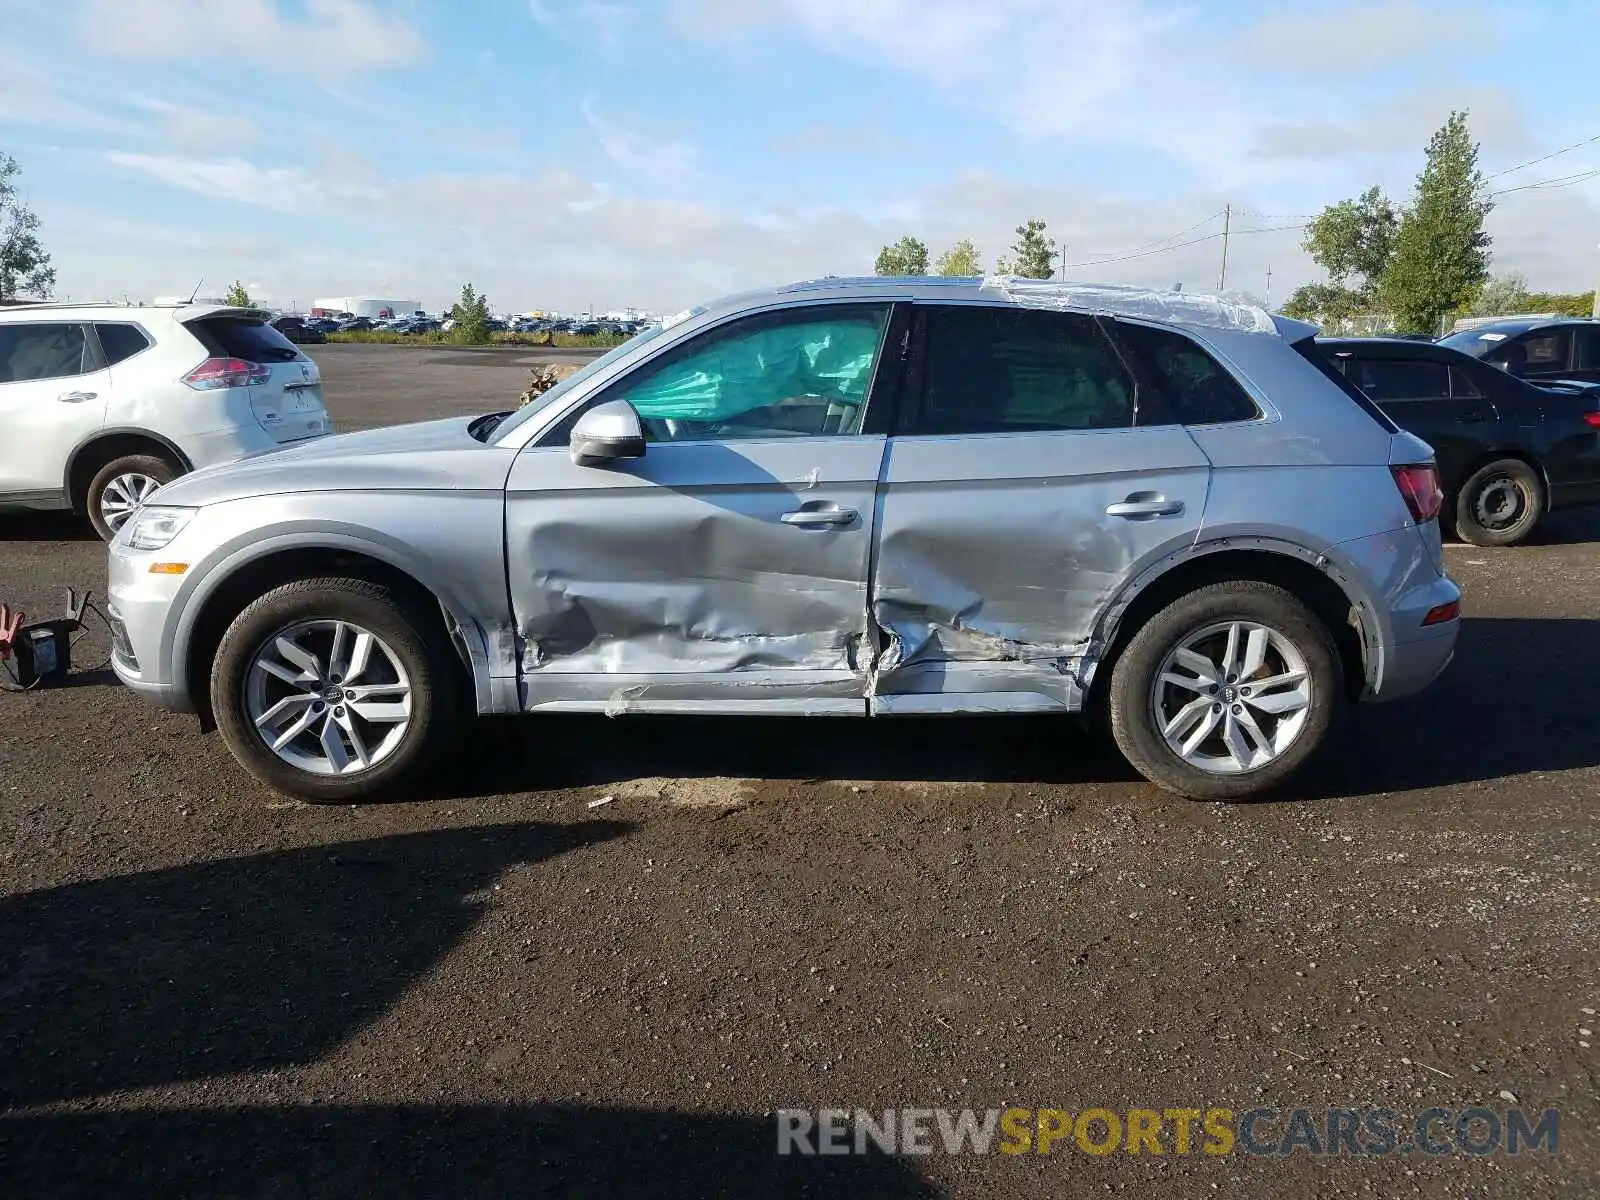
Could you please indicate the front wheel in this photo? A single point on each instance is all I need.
(1226, 692)
(335, 690)
(1500, 505)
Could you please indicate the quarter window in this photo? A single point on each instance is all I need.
(1196, 387)
(1013, 370)
(119, 342)
(796, 373)
(1462, 387)
(43, 351)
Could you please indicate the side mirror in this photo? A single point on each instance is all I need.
(607, 432)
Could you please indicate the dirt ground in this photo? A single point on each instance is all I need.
(603, 955)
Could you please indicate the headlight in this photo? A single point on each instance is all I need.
(153, 527)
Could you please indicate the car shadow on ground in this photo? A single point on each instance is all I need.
(427, 1151)
(243, 964)
(258, 964)
(1569, 527)
(46, 527)
(1518, 698)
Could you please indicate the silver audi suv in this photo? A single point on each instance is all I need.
(851, 497)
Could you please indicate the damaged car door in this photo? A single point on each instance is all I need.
(719, 562)
(1022, 490)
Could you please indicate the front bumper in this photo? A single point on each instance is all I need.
(140, 606)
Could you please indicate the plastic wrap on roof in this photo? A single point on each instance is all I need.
(1171, 308)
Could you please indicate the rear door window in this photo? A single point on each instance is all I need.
(1401, 379)
(1012, 370)
(1198, 390)
(253, 341)
(45, 350)
(119, 342)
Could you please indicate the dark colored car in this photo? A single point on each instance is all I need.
(586, 329)
(1508, 451)
(299, 331)
(1538, 349)
(356, 325)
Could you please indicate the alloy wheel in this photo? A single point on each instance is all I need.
(122, 497)
(1232, 697)
(328, 697)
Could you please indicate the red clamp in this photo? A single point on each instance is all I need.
(9, 624)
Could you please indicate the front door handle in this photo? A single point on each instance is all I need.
(809, 518)
(76, 397)
(1134, 509)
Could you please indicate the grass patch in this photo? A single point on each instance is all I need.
(567, 341)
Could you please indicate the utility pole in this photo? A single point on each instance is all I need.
(1269, 285)
(1063, 261)
(1227, 224)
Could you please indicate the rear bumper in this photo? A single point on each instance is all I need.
(1411, 667)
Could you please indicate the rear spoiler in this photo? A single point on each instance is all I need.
(198, 312)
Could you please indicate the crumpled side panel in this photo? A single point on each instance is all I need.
(1172, 308)
(634, 597)
(679, 568)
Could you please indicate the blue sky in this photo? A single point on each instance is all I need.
(570, 153)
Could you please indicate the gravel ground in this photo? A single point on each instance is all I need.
(511, 989)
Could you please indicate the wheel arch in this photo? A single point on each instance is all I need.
(226, 590)
(1312, 578)
(104, 446)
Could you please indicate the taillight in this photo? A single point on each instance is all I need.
(1419, 484)
(226, 373)
(1592, 419)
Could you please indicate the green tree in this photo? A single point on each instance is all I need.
(960, 260)
(1503, 295)
(471, 317)
(24, 265)
(1353, 241)
(906, 257)
(1324, 303)
(1441, 252)
(1568, 304)
(236, 296)
(1033, 256)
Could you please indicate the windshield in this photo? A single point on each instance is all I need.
(1476, 342)
(539, 403)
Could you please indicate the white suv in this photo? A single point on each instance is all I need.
(100, 405)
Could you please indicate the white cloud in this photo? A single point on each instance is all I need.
(1400, 124)
(660, 162)
(333, 36)
(1352, 39)
(288, 189)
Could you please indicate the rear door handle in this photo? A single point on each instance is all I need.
(1145, 508)
(830, 514)
(76, 397)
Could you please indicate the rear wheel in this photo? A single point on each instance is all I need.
(335, 690)
(121, 486)
(1226, 692)
(1500, 505)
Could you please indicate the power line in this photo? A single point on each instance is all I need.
(1545, 157)
(1566, 181)
(1098, 255)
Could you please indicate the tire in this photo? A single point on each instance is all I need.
(119, 482)
(406, 646)
(1501, 505)
(1296, 640)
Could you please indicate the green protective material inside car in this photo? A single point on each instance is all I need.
(830, 358)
